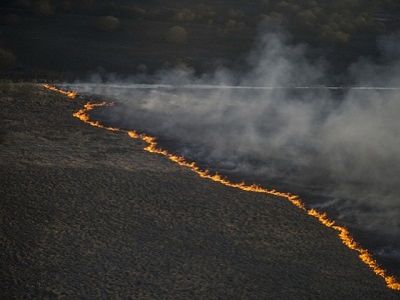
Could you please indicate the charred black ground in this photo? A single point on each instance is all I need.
(194, 144)
(87, 213)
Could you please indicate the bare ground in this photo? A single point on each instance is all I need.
(87, 214)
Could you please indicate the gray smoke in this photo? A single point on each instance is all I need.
(341, 146)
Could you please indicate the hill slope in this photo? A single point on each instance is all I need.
(88, 213)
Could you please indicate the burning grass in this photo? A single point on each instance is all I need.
(152, 147)
(70, 94)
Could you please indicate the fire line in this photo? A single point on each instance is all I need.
(152, 147)
(70, 94)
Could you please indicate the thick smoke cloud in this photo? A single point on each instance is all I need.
(339, 148)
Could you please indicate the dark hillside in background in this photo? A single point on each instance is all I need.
(45, 39)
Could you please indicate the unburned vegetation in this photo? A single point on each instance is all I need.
(62, 36)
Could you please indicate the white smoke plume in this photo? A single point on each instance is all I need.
(340, 147)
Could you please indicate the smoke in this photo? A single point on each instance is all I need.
(339, 148)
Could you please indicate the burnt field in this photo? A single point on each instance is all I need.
(87, 213)
(263, 137)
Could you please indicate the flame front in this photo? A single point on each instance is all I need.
(82, 115)
(70, 94)
(152, 147)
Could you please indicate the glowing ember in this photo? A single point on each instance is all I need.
(152, 147)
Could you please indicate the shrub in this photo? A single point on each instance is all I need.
(7, 59)
(22, 4)
(335, 36)
(65, 6)
(134, 11)
(177, 35)
(185, 15)
(86, 4)
(107, 23)
(10, 19)
(43, 7)
(204, 12)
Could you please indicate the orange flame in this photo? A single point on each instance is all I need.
(82, 115)
(70, 94)
(152, 147)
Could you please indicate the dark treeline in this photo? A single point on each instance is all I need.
(49, 38)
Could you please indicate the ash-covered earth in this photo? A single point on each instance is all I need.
(337, 149)
(87, 213)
